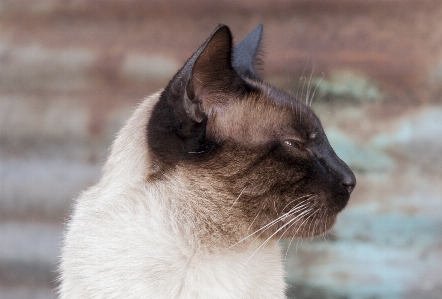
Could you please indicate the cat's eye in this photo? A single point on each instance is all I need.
(292, 143)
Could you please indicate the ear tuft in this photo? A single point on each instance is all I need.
(246, 55)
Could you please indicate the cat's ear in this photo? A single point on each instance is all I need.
(246, 55)
(212, 76)
(208, 76)
(205, 84)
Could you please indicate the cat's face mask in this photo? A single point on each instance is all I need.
(259, 156)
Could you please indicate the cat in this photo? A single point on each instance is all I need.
(201, 183)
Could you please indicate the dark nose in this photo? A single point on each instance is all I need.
(349, 181)
(337, 168)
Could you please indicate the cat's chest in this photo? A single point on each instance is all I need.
(140, 253)
(249, 273)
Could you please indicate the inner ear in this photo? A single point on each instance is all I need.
(213, 80)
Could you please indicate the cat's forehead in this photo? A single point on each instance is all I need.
(264, 115)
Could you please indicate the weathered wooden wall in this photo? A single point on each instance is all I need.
(72, 71)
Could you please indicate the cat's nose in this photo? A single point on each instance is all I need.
(349, 182)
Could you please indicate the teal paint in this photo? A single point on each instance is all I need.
(360, 157)
(373, 256)
(347, 84)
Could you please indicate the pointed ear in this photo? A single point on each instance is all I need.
(207, 81)
(246, 54)
(212, 75)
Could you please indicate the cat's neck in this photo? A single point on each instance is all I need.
(129, 159)
(190, 252)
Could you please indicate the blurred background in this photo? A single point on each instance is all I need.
(72, 71)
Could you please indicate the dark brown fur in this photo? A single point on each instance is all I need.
(252, 152)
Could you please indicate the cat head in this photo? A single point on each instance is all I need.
(252, 154)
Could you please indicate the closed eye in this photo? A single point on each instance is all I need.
(292, 143)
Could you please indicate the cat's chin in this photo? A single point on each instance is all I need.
(319, 227)
(305, 227)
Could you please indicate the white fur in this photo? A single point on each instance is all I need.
(126, 239)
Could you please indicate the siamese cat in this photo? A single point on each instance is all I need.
(201, 183)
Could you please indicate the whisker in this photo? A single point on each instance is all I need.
(300, 226)
(297, 217)
(309, 222)
(309, 86)
(300, 78)
(289, 213)
(303, 86)
(312, 232)
(288, 247)
(268, 239)
(248, 229)
(294, 220)
(325, 218)
(290, 243)
(314, 91)
(267, 226)
(295, 209)
(236, 199)
(295, 200)
(316, 226)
